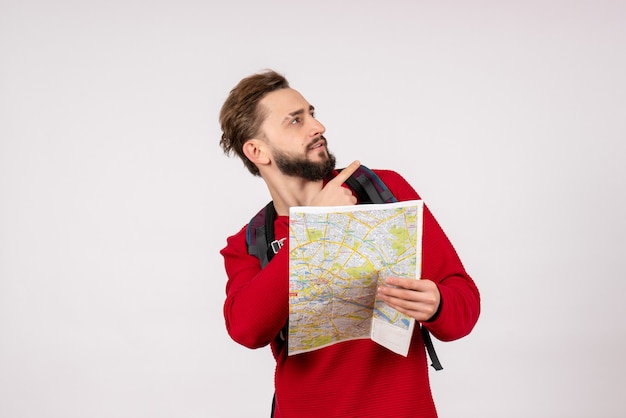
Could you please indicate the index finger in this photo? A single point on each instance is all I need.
(346, 172)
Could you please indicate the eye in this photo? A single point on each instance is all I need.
(295, 120)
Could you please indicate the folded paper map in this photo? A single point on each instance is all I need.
(338, 257)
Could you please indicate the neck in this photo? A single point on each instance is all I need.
(288, 192)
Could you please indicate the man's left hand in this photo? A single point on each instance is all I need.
(418, 299)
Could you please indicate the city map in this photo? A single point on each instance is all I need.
(338, 256)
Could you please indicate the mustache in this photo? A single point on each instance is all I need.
(316, 140)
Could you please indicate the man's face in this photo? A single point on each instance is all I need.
(295, 137)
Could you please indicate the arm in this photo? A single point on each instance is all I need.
(446, 300)
(460, 299)
(256, 306)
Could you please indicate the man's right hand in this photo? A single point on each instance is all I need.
(334, 194)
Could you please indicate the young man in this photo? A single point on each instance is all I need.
(273, 129)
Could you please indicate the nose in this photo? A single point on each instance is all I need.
(317, 128)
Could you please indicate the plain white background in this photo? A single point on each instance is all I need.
(508, 117)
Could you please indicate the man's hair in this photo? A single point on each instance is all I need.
(241, 115)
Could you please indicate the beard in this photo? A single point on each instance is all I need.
(302, 167)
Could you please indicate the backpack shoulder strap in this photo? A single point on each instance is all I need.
(369, 187)
(260, 234)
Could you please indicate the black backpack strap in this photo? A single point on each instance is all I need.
(270, 242)
(259, 232)
(369, 187)
(430, 348)
(273, 406)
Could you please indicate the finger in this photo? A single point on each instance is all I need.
(346, 172)
(404, 283)
(421, 285)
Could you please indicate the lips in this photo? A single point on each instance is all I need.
(318, 143)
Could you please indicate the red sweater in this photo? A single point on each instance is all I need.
(356, 378)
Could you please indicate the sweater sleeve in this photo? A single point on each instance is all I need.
(460, 299)
(256, 306)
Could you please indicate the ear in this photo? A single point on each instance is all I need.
(256, 151)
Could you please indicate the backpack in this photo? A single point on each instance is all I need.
(369, 188)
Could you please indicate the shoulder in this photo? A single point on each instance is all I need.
(388, 174)
(236, 243)
(397, 184)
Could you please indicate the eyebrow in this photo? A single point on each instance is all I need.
(298, 112)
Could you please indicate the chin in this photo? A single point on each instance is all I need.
(323, 154)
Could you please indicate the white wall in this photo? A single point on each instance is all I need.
(508, 117)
